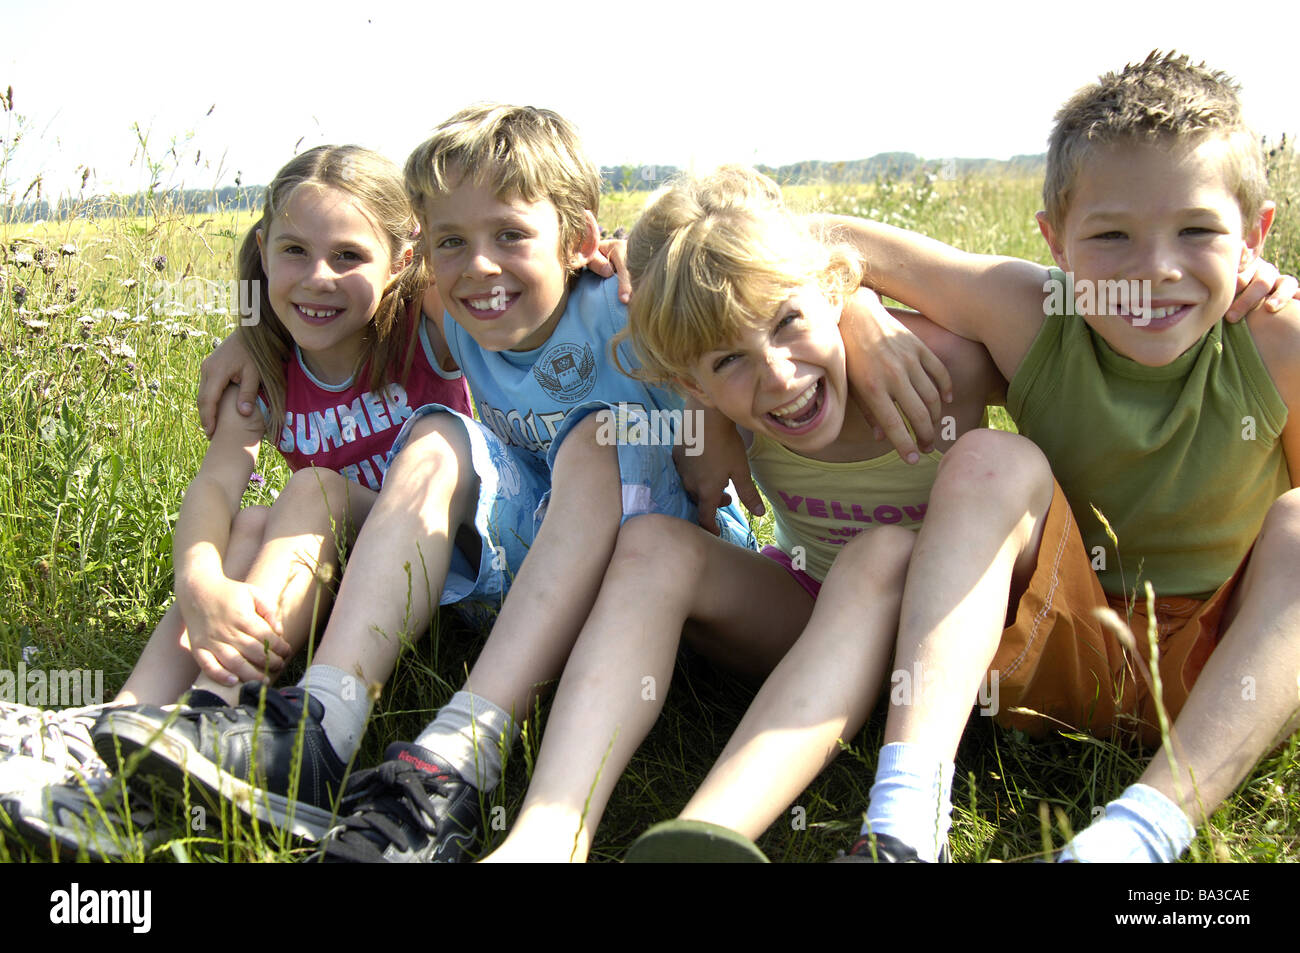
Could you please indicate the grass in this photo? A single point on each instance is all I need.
(99, 436)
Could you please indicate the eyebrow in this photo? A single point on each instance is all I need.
(1124, 214)
(498, 221)
(349, 243)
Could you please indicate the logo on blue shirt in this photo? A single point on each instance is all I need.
(567, 372)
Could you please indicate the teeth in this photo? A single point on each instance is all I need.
(482, 304)
(318, 314)
(1154, 314)
(792, 408)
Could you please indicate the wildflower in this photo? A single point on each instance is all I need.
(159, 262)
(256, 479)
(30, 651)
(67, 249)
(20, 294)
(129, 283)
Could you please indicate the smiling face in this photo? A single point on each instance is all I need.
(499, 265)
(1164, 214)
(326, 265)
(785, 379)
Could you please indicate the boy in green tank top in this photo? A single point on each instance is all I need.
(1149, 409)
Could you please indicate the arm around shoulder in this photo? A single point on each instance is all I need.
(1277, 338)
(993, 300)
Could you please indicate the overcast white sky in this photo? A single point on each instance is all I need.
(650, 81)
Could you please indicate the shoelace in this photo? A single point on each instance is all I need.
(385, 801)
(279, 710)
(61, 738)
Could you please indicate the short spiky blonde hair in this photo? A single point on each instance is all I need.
(1165, 98)
(712, 256)
(517, 150)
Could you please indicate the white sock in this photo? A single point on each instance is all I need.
(912, 799)
(468, 734)
(346, 703)
(1141, 826)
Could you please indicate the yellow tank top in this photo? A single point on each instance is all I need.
(817, 507)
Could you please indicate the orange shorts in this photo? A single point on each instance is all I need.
(1057, 661)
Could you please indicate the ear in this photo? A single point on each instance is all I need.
(261, 246)
(586, 246)
(688, 385)
(1254, 246)
(1053, 240)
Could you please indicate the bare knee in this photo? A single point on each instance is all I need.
(249, 525)
(660, 548)
(876, 558)
(436, 440)
(1281, 530)
(998, 470)
(583, 444)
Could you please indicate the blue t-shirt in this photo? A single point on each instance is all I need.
(524, 396)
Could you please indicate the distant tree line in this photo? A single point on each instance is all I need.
(633, 178)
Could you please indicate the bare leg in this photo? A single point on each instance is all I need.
(166, 668)
(822, 691)
(979, 543)
(290, 552)
(401, 556)
(664, 571)
(556, 587)
(1245, 700)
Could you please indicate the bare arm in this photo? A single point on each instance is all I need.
(229, 364)
(995, 301)
(226, 621)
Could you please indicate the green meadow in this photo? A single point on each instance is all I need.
(104, 321)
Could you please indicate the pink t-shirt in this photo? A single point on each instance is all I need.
(345, 428)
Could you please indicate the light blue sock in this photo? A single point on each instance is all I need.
(1141, 826)
(912, 799)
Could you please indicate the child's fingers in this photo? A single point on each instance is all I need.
(897, 433)
(213, 669)
(266, 609)
(940, 379)
(1286, 291)
(708, 517)
(749, 495)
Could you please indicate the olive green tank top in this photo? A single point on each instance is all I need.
(1183, 461)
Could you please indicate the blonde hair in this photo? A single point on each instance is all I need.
(516, 150)
(1165, 98)
(376, 185)
(713, 256)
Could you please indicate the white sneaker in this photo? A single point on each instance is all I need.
(40, 747)
(73, 822)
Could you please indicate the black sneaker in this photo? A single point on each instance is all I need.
(886, 849)
(413, 808)
(233, 754)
